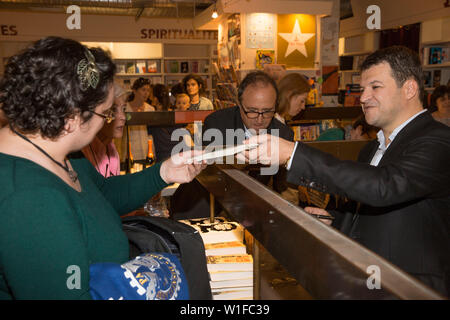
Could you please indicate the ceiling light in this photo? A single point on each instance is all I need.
(214, 14)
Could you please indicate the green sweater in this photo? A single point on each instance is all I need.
(50, 233)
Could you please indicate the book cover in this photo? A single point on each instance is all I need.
(130, 67)
(184, 66)
(230, 275)
(120, 67)
(173, 67)
(195, 67)
(225, 248)
(435, 55)
(236, 283)
(141, 66)
(242, 262)
(221, 230)
(264, 57)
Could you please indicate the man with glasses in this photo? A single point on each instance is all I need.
(257, 96)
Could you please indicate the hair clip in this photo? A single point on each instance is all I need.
(88, 72)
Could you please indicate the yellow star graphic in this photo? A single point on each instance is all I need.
(296, 40)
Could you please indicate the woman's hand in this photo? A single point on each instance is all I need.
(177, 170)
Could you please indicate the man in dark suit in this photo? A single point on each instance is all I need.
(258, 96)
(402, 181)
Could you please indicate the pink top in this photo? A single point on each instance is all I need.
(104, 158)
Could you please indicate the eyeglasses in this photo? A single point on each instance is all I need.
(108, 116)
(256, 114)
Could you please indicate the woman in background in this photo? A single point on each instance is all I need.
(440, 104)
(136, 146)
(195, 88)
(292, 91)
(102, 152)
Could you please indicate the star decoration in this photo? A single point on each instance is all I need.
(296, 40)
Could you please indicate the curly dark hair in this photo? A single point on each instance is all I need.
(41, 89)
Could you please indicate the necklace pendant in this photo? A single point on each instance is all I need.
(73, 175)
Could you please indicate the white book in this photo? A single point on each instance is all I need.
(229, 275)
(228, 151)
(221, 230)
(225, 248)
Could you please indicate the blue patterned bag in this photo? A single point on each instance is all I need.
(150, 276)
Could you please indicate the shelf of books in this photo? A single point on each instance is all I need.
(229, 265)
(436, 66)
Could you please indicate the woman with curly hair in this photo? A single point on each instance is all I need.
(59, 216)
(195, 87)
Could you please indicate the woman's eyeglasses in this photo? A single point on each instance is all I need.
(108, 116)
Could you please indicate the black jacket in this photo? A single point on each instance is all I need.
(405, 200)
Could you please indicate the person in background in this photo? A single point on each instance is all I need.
(182, 102)
(195, 87)
(174, 91)
(361, 130)
(401, 180)
(160, 98)
(102, 152)
(292, 91)
(59, 216)
(134, 142)
(440, 104)
(162, 136)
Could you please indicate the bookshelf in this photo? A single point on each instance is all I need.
(170, 66)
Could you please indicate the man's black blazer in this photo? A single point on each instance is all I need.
(405, 200)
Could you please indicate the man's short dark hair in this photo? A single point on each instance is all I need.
(257, 77)
(404, 62)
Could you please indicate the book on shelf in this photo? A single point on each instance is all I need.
(130, 67)
(141, 66)
(436, 78)
(121, 67)
(221, 230)
(238, 262)
(427, 79)
(194, 67)
(437, 55)
(184, 67)
(173, 67)
(229, 275)
(152, 66)
(244, 293)
(225, 248)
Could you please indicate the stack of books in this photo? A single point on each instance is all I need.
(229, 266)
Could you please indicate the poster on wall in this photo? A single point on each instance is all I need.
(264, 57)
(296, 40)
(330, 40)
(259, 31)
